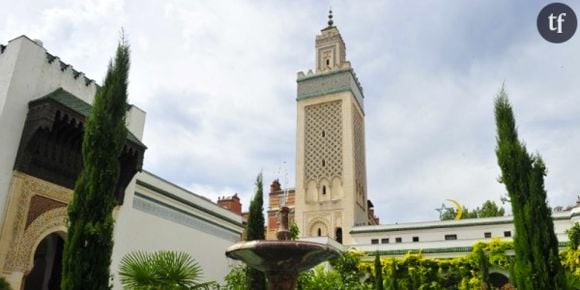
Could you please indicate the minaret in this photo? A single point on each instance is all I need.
(331, 190)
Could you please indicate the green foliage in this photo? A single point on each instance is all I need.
(87, 250)
(161, 270)
(574, 235)
(378, 272)
(488, 209)
(393, 276)
(536, 265)
(347, 266)
(319, 278)
(255, 231)
(236, 279)
(294, 231)
(4, 284)
(482, 264)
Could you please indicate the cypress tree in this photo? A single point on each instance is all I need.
(89, 243)
(537, 265)
(394, 279)
(483, 265)
(255, 231)
(378, 272)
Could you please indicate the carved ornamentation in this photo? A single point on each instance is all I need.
(21, 258)
(39, 205)
(23, 188)
(359, 156)
(323, 141)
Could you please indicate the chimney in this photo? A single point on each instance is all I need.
(231, 203)
(275, 186)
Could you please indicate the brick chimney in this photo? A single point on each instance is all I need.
(231, 203)
(275, 186)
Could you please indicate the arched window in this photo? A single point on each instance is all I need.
(319, 232)
(324, 189)
(323, 162)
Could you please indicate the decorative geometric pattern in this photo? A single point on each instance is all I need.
(327, 83)
(323, 141)
(359, 155)
(21, 237)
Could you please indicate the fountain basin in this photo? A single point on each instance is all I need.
(281, 256)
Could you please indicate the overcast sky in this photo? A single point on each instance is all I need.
(218, 82)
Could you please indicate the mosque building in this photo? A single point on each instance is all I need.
(44, 103)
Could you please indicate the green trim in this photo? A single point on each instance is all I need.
(419, 227)
(575, 214)
(454, 225)
(186, 202)
(423, 251)
(339, 90)
(74, 103)
(143, 196)
(437, 250)
(323, 75)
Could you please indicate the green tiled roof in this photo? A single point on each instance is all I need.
(72, 102)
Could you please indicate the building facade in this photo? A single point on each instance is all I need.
(331, 189)
(43, 105)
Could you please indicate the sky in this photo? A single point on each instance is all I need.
(218, 82)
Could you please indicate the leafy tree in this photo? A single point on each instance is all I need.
(536, 264)
(320, 278)
(236, 279)
(378, 272)
(489, 209)
(294, 231)
(393, 279)
(161, 270)
(347, 266)
(255, 231)
(574, 236)
(87, 250)
(483, 265)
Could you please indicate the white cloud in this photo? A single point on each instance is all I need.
(217, 80)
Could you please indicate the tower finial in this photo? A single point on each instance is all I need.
(330, 21)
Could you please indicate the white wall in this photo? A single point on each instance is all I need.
(149, 220)
(432, 234)
(25, 75)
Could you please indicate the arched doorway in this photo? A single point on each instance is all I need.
(339, 235)
(46, 273)
(498, 280)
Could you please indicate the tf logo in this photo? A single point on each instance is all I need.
(557, 22)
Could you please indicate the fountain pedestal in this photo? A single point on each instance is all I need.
(283, 259)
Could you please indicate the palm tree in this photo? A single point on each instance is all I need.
(161, 270)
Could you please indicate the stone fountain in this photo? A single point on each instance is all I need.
(283, 259)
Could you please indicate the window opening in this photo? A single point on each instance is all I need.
(450, 237)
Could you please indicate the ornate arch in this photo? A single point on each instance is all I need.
(318, 223)
(22, 257)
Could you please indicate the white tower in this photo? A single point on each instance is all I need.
(331, 190)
